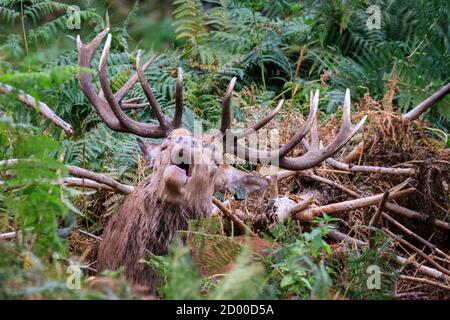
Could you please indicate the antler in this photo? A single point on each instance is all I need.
(315, 154)
(110, 106)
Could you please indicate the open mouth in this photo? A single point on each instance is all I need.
(186, 167)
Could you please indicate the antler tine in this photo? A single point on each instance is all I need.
(316, 155)
(178, 100)
(250, 154)
(226, 112)
(162, 119)
(129, 124)
(261, 123)
(122, 92)
(85, 55)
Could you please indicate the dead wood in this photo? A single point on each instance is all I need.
(427, 271)
(412, 115)
(86, 183)
(309, 214)
(419, 252)
(41, 107)
(425, 281)
(232, 217)
(100, 178)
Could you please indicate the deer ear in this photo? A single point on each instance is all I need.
(239, 183)
(149, 150)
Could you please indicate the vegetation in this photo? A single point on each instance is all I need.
(276, 49)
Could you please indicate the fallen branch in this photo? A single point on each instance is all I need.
(342, 237)
(393, 207)
(376, 217)
(32, 103)
(100, 178)
(86, 183)
(422, 107)
(302, 205)
(408, 232)
(309, 214)
(425, 281)
(369, 169)
(419, 252)
(402, 295)
(233, 217)
(427, 271)
(374, 222)
(8, 235)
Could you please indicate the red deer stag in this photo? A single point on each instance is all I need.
(180, 190)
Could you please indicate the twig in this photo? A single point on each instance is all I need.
(89, 235)
(376, 217)
(402, 295)
(425, 281)
(302, 205)
(369, 169)
(374, 222)
(431, 272)
(419, 252)
(334, 184)
(32, 103)
(233, 217)
(408, 232)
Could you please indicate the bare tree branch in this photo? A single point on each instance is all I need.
(32, 103)
(100, 178)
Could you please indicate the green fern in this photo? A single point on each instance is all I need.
(189, 19)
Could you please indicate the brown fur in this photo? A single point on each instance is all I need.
(160, 206)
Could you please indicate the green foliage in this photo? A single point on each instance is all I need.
(182, 279)
(188, 19)
(298, 268)
(32, 198)
(31, 14)
(24, 275)
(353, 270)
(259, 42)
(414, 47)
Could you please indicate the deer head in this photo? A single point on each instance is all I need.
(187, 167)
